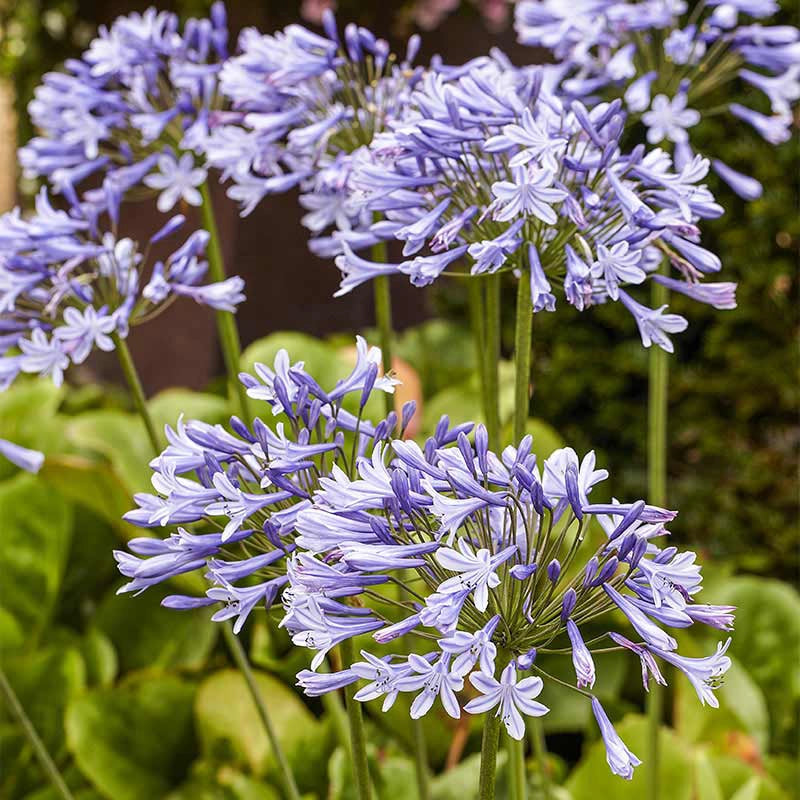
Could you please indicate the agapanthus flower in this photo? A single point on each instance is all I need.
(302, 106)
(496, 567)
(674, 63)
(239, 491)
(69, 283)
(488, 171)
(133, 108)
(22, 457)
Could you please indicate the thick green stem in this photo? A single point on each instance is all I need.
(240, 657)
(540, 751)
(135, 387)
(522, 355)
(358, 742)
(488, 774)
(383, 316)
(226, 322)
(478, 325)
(493, 359)
(47, 763)
(516, 766)
(657, 494)
(421, 760)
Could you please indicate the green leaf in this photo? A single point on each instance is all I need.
(148, 636)
(34, 544)
(325, 362)
(461, 782)
(167, 406)
(733, 774)
(134, 742)
(100, 658)
(706, 782)
(750, 791)
(228, 722)
(11, 633)
(592, 778)
(545, 438)
(209, 781)
(121, 438)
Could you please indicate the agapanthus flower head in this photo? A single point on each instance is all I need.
(69, 283)
(137, 101)
(496, 568)
(612, 47)
(239, 490)
(301, 104)
(489, 171)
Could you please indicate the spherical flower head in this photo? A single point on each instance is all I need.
(490, 172)
(701, 53)
(69, 284)
(301, 104)
(242, 488)
(143, 87)
(497, 569)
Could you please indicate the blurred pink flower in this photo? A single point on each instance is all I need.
(428, 14)
(495, 13)
(312, 10)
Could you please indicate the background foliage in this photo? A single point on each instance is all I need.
(135, 701)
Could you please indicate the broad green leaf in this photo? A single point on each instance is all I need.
(148, 636)
(28, 418)
(326, 363)
(461, 782)
(706, 782)
(134, 742)
(34, 544)
(11, 633)
(209, 781)
(228, 721)
(592, 778)
(545, 439)
(45, 681)
(100, 658)
(750, 791)
(167, 406)
(121, 438)
(734, 774)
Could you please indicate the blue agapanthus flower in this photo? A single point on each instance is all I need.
(69, 283)
(302, 103)
(489, 170)
(241, 489)
(22, 457)
(135, 104)
(674, 63)
(482, 564)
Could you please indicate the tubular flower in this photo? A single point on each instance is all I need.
(505, 578)
(702, 52)
(490, 169)
(135, 108)
(241, 490)
(68, 284)
(302, 106)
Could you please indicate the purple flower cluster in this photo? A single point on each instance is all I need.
(68, 284)
(137, 102)
(245, 487)
(490, 167)
(674, 63)
(301, 104)
(480, 560)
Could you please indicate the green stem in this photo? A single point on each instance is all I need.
(657, 494)
(226, 323)
(540, 751)
(421, 760)
(47, 763)
(516, 764)
(358, 743)
(240, 657)
(522, 355)
(488, 774)
(478, 325)
(493, 359)
(136, 390)
(383, 317)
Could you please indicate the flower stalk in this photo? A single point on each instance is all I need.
(516, 768)
(522, 355)
(358, 743)
(658, 386)
(226, 324)
(38, 746)
(493, 358)
(135, 387)
(383, 316)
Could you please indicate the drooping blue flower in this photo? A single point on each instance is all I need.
(621, 760)
(22, 457)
